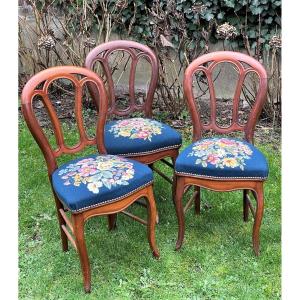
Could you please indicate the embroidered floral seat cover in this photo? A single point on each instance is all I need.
(138, 136)
(97, 179)
(222, 158)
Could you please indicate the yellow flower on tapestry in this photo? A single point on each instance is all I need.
(125, 133)
(136, 128)
(105, 165)
(230, 162)
(98, 172)
(221, 152)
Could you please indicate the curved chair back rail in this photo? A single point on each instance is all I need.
(38, 86)
(237, 59)
(136, 51)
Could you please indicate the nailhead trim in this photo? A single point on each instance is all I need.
(217, 177)
(151, 151)
(112, 200)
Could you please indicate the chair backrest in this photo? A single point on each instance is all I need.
(244, 65)
(38, 86)
(136, 51)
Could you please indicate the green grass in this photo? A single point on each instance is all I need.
(215, 262)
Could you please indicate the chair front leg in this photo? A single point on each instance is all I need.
(258, 217)
(179, 210)
(78, 225)
(151, 220)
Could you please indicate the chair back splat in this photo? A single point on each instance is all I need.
(244, 65)
(38, 86)
(136, 51)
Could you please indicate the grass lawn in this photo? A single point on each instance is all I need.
(215, 262)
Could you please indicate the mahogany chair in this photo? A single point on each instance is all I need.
(92, 185)
(223, 163)
(143, 139)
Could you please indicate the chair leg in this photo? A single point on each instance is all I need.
(179, 210)
(174, 180)
(197, 200)
(157, 215)
(151, 220)
(78, 223)
(258, 217)
(112, 221)
(245, 205)
(61, 221)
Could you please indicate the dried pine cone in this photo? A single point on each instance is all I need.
(46, 42)
(275, 42)
(199, 8)
(89, 43)
(227, 31)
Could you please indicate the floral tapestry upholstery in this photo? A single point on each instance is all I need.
(138, 136)
(97, 179)
(222, 158)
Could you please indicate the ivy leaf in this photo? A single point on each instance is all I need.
(229, 3)
(220, 15)
(269, 20)
(256, 10)
(208, 16)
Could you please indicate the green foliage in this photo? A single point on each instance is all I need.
(245, 15)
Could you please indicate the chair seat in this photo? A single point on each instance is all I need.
(222, 158)
(98, 179)
(139, 136)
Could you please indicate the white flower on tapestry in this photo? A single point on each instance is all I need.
(221, 152)
(136, 128)
(98, 172)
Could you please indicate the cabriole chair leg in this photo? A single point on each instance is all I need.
(258, 217)
(78, 223)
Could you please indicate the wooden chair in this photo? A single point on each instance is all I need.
(223, 163)
(142, 139)
(88, 186)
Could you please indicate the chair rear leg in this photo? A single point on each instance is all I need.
(61, 221)
(112, 221)
(174, 180)
(157, 215)
(197, 200)
(78, 223)
(151, 207)
(258, 217)
(245, 205)
(179, 210)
